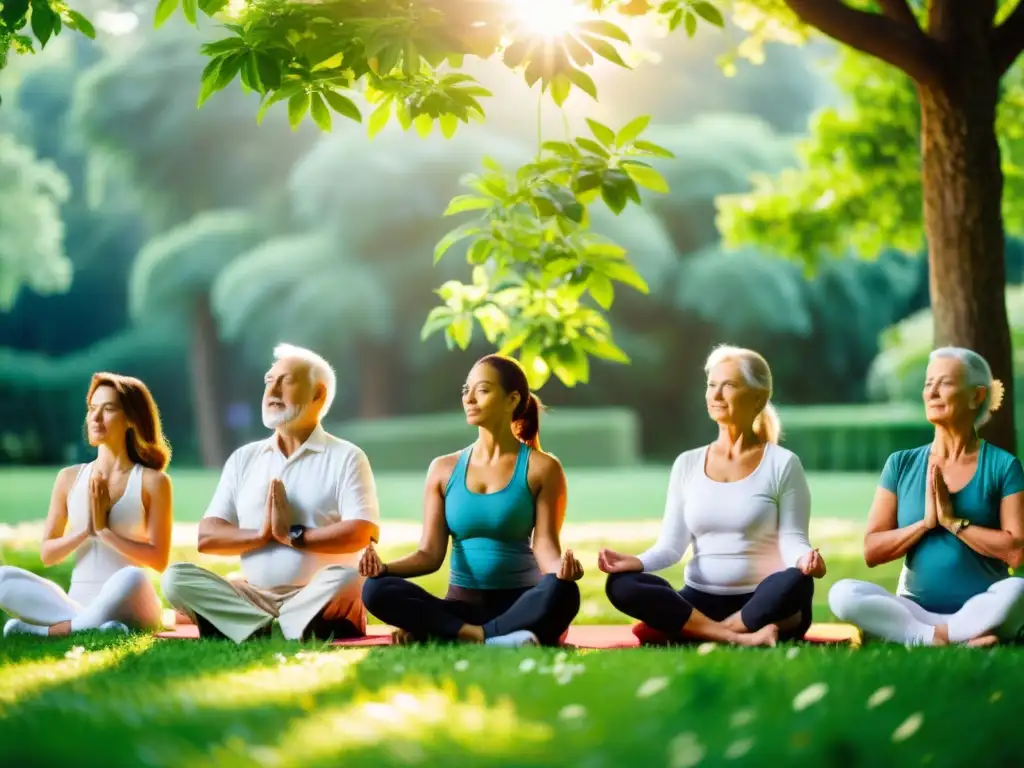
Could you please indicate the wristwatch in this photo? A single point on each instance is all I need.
(959, 525)
(297, 535)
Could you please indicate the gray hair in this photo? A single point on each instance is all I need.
(756, 375)
(320, 371)
(977, 373)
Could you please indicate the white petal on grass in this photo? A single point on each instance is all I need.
(792, 653)
(812, 694)
(399, 669)
(527, 665)
(685, 751)
(738, 749)
(705, 648)
(879, 697)
(651, 687)
(280, 658)
(742, 717)
(461, 665)
(75, 653)
(908, 727)
(572, 712)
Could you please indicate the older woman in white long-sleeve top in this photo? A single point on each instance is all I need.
(743, 504)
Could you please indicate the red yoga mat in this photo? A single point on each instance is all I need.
(582, 636)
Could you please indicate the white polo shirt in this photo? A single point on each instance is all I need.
(327, 480)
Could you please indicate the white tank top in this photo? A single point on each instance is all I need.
(95, 560)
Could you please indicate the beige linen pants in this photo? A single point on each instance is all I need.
(238, 609)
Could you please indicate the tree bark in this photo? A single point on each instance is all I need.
(963, 190)
(205, 391)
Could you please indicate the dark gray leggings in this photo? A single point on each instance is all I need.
(653, 601)
(547, 609)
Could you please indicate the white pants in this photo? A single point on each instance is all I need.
(127, 596)
(238, 609)
(997, 611)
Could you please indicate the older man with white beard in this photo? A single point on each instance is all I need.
(299, 508)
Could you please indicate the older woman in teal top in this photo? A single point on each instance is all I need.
(954, 510)
(501, 501)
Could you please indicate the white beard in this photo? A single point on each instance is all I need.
(274, 419)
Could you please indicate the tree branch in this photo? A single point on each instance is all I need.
(904, 46)
(1008, 39)
(898, 10)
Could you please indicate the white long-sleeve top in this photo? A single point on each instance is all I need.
(741, 531)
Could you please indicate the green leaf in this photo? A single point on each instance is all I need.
(225, 45)
(269, 70)
(280, 95)
(601, 289)
(451, 238)
(13, 12)
(579, 52)
(560, 87)
(343, 105)
(461, 330)
(189, 9)
(604, 29)
(516, 53)
(449, 125)
(592, 146)
(212, 7)
(604, 49)
(463, 203)
(320, 113)
(614, 191)
(623, 272)
(647, 177)
(479, 251)
(164, 10)
(298, 105)
(709, 13)
(43, 19)
(424, 124)
(691, 25)
(604, 349)
(583, 81)
(653, 149)
(379, 118)
(438, 319)
(602, 132)
(632, 129)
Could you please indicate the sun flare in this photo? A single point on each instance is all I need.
(550, 18)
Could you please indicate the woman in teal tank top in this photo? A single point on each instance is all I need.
(501, 501)
(954, 510)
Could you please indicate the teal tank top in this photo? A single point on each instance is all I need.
(491, 532)
(940, 572)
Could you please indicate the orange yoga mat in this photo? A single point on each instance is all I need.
(581, 636)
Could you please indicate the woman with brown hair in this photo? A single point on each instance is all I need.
(114, 513)
(501, 501)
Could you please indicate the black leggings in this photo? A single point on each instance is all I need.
(547, 609)
(653, 601)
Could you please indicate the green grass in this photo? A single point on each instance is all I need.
(594, 495)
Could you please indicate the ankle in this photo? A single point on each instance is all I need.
(940, 635)
(470, 633)
(60, 629)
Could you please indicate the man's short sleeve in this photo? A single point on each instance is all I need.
(357, 492)
(222, 505)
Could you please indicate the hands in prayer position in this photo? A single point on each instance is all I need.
(571, 569)
(944, 514)
(812, 564)
(99, 503)
(610, 561)
(370, 564)
(277, 517)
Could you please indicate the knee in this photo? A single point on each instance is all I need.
(132, 579)
(340, 576)
(375, 591)
(841, 598)
(8, 576)
(1013, 588)
(562, 594)
(173, 580)
(619, 587)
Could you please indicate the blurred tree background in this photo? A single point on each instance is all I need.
(144, 236)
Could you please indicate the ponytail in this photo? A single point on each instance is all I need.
(527, 425)
(768, 425)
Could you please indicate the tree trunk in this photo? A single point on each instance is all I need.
(375, 381)
(963, 190)
(205, 392)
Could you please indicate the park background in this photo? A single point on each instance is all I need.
(179, 245)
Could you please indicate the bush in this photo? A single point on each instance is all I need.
(852, 438)
(599, 437)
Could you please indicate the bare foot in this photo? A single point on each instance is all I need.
(766, 636)
(984, 641)
(60, 629)
(941, 636)
(401, 637)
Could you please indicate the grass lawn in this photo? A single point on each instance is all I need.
(139, 701)
(594, 495)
